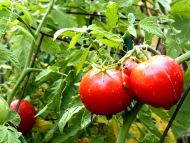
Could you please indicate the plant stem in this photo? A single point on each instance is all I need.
(29, 57)
(183, 57)
(184, 95)
(128, 120)
(29, 73)
(152, 50)
(37, 34)
(21, 78)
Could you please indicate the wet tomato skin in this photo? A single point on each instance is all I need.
(103, 93)
(128, 65)
(158, 81)
(27, 114)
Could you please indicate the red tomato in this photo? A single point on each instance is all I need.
(158, 81)
(103, 93)
(129, 65)
(27, 114)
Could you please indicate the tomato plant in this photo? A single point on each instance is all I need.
(46, 47)
(158, 81)
(103, 92)
(4, 110)
(27, 114)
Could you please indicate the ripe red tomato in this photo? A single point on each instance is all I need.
(158, 81)
(129, 65)
(103, 93)
(27, 114)
(4, 110)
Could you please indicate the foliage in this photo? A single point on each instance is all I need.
(75, 36)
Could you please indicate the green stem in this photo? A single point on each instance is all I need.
(40, 70)
(37, 34)
(93, 44)
(29, 57)
(13, 92)
(128, 120)
(183, 57)
(6, 87)
(152, 50)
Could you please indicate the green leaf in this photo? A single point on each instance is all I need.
(86, 119)
(43, 75)
(46, 74)
(149, 24)
(71, 131)
(74, 40)
(43, 110)
(68, 115)
(107, 38)
(131, 29)
(82, 60)
(69, 32)
(26, 32)
(59, 19)
(165, 4)
(144, 117)
(5, 19)
(112, 16)
(14, 118)
(49, 46)
(7, 55)
(4, 3)
(9, 134)
(99, 139)
(54, 97)
(20, 45)
(124, 3)
(27, 15)
(131, 18)
(50, 133)
(181, 8)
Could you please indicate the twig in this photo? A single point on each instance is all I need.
(184, 95)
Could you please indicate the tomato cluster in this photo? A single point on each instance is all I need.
(157, 82)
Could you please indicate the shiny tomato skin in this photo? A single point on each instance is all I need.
(4, 110)
(27, 114)
(128, 65)
(158, 81)
(103, 93)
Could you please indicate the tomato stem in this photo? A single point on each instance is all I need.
(127, 121)
(183, 57)
(185, 93)
(152, 50)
